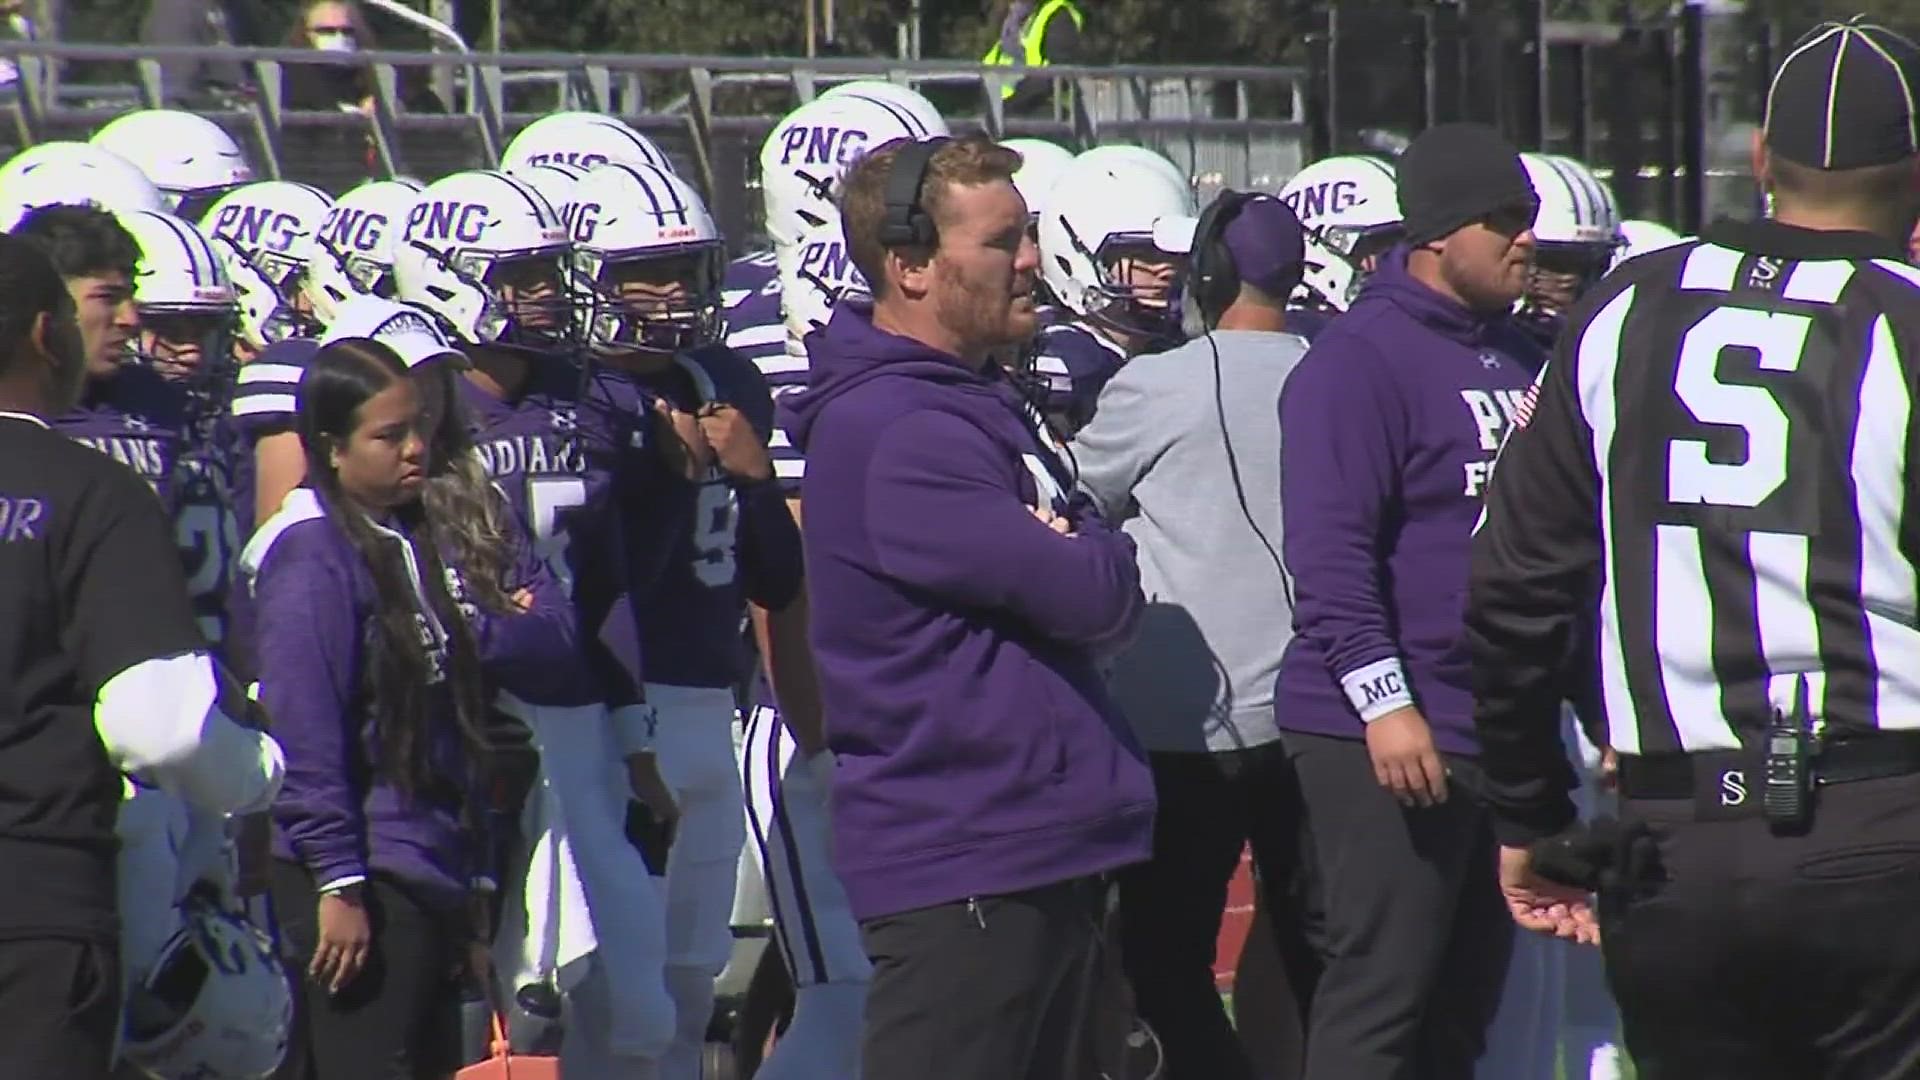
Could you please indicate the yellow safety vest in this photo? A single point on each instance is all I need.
(1033, 36)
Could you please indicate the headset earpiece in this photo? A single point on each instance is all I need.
(907, 223)
(1212, 279)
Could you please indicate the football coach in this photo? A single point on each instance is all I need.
(985, 782)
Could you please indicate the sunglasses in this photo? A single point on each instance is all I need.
(1511, 221)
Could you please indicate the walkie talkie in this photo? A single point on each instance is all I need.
(1787, 792)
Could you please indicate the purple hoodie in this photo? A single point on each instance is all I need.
(1390, 426)
(955, 635)
(336, 814)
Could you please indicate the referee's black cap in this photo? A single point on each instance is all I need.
(1846, 98)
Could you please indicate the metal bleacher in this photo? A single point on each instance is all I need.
(1236, 126)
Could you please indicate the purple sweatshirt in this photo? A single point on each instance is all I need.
(1389, 429)
(336, 814)
(955, 635)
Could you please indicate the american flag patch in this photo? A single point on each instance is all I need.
(1523, 412)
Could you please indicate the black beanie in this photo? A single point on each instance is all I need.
(1456, 174)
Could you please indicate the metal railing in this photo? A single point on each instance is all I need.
(1241, 126)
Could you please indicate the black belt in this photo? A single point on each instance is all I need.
(1726, 783)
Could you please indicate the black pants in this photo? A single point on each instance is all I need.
(1764, 957)
(1413, 931)
(61, 1001)
(400, 1017)
(999, 987)
(1210, 807)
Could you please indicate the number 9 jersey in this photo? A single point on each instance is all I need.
(736, 540)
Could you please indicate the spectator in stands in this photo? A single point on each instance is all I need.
(201, 24)
(339, 26)
(1035, 33)
(16, 24)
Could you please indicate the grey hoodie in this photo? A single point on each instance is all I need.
(1199, 675)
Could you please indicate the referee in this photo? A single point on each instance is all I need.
(102, 669)
(1718, 458)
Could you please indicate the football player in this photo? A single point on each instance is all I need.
(1352, 216)
(581, 140)
(191, 159)
(487, 256)
(788, 779)
(353, 248)
(1577, 239)
(265, 232)
(72, 174)
(651, 261)
(1106, 257)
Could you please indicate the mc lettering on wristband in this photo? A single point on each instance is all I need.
(1377, 689)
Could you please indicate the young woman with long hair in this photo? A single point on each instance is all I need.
(374, 663)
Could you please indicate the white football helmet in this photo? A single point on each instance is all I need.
(1643, 236)
(891, 93)
(648, 260)
(822, 275)
(1576, 234)
(1139, 155)
(803, 159)
(1089, 241)
(191, 159)
(581, 139)
(487, 256)
(265, 234)
(1041, 164)
(1349, 204)
(556, 182)
(73, 174)
(217, 1002)
(188, 307)
(353, 249)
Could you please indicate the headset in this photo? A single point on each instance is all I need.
(1212, 280)
(1211, 283)
(907, 223)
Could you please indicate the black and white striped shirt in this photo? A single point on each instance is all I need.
(1710, 498)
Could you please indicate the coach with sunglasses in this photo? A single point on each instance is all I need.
(1392, 422)
(985, 782)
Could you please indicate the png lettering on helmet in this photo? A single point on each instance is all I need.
(822, 145)
(577, 158)
(585, 221)
(1322, 199)
(825, 260)
(348, 229)
(257, 227)
(464, 222)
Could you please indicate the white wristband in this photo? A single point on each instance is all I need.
(634, 727)
(1377, 689)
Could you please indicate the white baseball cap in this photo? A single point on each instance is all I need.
(408, 331)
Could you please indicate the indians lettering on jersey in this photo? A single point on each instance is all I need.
(550, 456)
(545, 453)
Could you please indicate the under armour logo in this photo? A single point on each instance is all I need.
(135, 423)
(1489, 361)
(565, 420)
